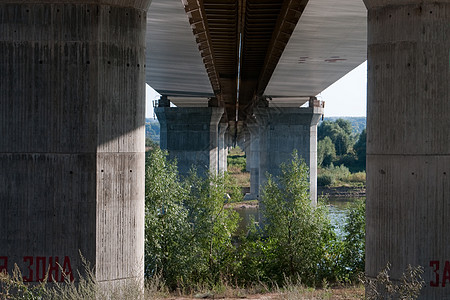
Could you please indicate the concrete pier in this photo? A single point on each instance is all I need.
(72, 137)
(222, 148)
(408, 144)
(274, 134)
(253, 158)
(191, 135)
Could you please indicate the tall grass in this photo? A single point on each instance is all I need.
(12, 286)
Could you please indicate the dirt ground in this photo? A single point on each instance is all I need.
(339, 293)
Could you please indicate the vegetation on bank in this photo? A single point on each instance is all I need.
(152, 130)
(341, 154)
(191, 247)
(191, 234)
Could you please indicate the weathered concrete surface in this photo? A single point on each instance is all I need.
(191, 135)
(253, 156)
(72, 136)
(275, 134)
(408, 141)
(222, 148)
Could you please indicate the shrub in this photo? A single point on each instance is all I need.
(353, 258)
(298, 234)
(237, 161)
(188, 230)
(335, 175)
(359, 177)
(325, 180)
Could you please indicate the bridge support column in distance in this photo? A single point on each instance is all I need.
(191, 135)
(222, 147)
(253, 157)
(72, 104)
(287, 129)
(408, 141)
(246, 149)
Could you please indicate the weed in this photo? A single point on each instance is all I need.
(383, 287)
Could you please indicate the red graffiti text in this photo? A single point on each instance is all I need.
(438, 281)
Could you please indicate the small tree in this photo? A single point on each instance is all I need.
(298, 233)
(326, 154)
(213, 226)
(166, 228)
(360, 150)
(188, 230)
(354, 240)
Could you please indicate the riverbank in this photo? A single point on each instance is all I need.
(330, 192)
(342, 192)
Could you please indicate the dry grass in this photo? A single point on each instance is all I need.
(242, 179)
(296, 292)
(13, 287)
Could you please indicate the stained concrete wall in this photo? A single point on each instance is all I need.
(408, 141)
(72, 137)
(191, 135)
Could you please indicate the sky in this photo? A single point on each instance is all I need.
(344, 98)
(347, 96)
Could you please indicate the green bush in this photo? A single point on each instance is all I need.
(353, 258)
(359, 177)
(325, 180)
(299, 234)
(339, 175)
(188, 230)
(237, 161)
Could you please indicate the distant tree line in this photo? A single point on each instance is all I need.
(338, 144)
(152, 130)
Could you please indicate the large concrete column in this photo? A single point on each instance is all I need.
(191, 135)
(72, 137)
(284, 130)
(408, 140)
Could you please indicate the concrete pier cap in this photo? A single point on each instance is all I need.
(275, 132)
(191, 135)
(72, 117)
(408, 144)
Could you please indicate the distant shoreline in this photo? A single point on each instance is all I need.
(342, 192)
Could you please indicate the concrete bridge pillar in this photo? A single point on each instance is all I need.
(253, 156)
(72, 103)
(285, 130)
(408, 144)
(192, 136)
(222, 148)
(246, 149)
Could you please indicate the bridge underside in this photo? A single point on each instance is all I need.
(240, 51)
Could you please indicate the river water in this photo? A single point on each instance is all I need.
(337, 208)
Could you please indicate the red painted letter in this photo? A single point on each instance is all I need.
(28, 259)
(40, 268)
(3, 264)
(446, 275)
(435, 263)
(67, 269)
(53, 269)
